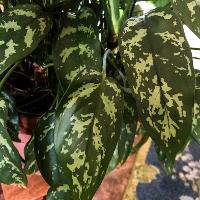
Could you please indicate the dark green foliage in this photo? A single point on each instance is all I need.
(83, 116)
(62, 48)
(10, 165)
(27, 25)
(164, 83)
(77, 46)
(13, 118)
(45, 150)
(30, 161)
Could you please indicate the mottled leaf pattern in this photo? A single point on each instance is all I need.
(128, 127)
(77, 46)
(21, 30)
(166, 162)
(13, 118)
(125, 142)
(88, 123)
(10, 163)
(55, 3)
(45, 150)
(196, 115)
(30, 160)
(158, 65)
(189, 12)
(59, 192)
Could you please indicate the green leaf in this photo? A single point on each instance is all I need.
(128, 131)
(77, 46)
(196, 115)
(61, 192)
(10, 162)
(13, 118)
(159, 69)
(128, 127)
(88, 124)
(189, 12)
(30, 160)
(45, 150)
(21, 30)
(160, 3)
(52, 4)
(114, 162)
(166, 163)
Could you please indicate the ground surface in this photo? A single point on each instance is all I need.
(181, 185)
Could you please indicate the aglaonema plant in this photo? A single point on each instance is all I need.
(109, 71)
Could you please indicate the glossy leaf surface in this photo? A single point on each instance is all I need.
(30, 160)
(59, 192)
(13, 118)
(88, 124)
(159, 69)
(189, 12)
(128, 127)
(21, 30)
(45, 150)
(196, 116)
(77, 46)
(10, 162)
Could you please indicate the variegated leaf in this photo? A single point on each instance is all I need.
(189, 12)
(30, 160)
(77, 46)
(10, 162)
(45, 150)
(52, 4)
(158, 65)
(21, 30)
(196, 115)
(13, 118)
(88, 124)
(128, 130)
(166, 162)
(61, 192)
(128, 127)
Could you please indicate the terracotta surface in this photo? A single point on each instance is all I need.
(112, 187)
(114, 184)
(35, 190)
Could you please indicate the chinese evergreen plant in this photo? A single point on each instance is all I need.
(109, 70)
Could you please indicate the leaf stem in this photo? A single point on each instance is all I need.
(54, 102)
(8, 74)
(108, 51)
(197, 58)
(195, 48)
(140, 144)
(57, 96)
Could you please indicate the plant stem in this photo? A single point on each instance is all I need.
(194, 48)
(108, 51)
(196, 58)
(54, 102)
(114, 10)
(8, 74)
(57, 96)
(141, 142)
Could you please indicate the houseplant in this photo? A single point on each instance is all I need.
(103, 74)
